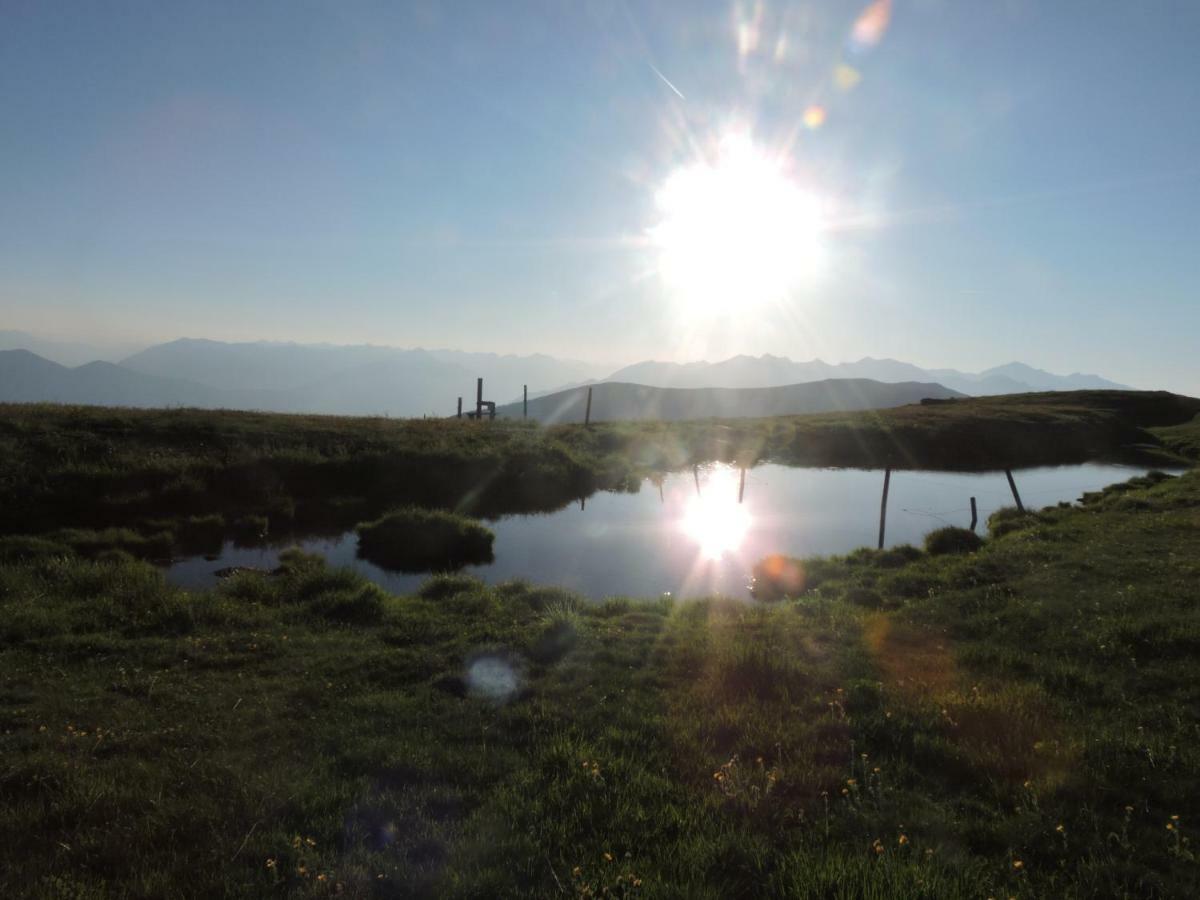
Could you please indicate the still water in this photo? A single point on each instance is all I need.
(689, 536)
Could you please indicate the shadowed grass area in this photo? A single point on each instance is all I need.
(424, 540)
(177, 471)
(1016, 721)
(952, 540)
(1182, 439)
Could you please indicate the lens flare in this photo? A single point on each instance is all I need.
(814, 117)
(846, 77)
(871, 25)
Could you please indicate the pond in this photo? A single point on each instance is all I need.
(686, 533)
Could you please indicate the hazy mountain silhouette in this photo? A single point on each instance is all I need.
(281, 378)
(66, 353)
(27, 377)
(613, 401)
(389, 379)
(370, 380)
(767, 371)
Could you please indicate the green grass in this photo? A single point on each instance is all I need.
(1183, 439)
(899, 725)
(176, 472)
(952, 540)
(424, 540)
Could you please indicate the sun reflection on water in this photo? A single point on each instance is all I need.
(714, 519)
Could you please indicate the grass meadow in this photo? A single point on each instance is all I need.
(1013, 719)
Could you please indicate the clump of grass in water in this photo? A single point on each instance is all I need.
(952, 540)
(1008, 519)
(420, 540)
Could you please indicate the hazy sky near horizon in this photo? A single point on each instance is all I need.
(996, 181)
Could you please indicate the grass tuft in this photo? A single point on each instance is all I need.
(952, 540)
(421, 540)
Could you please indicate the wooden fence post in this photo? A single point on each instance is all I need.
(974, 514)
(887, 480)
(460, 407)
(1013, 485)
(525, 401)
(587, 415)
(479, 399)
(742, 485)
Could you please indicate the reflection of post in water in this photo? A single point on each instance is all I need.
(742, 485)
(887, 480)
(656, 479)
(582, 503)
(1012, 484)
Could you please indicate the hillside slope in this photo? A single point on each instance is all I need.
(612, 402)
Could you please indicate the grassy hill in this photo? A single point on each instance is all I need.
(615, 402)
(158, 471)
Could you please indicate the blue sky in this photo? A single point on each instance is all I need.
(1010, 180)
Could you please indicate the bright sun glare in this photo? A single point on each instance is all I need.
(737, 231)
(715, 520)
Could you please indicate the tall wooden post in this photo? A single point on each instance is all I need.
(460, 407)
(587, 415)
(974, 514)
(479, 399)
(742, 485)
(525, 401)
(887, 480)
(696, 476)
(1013, 485)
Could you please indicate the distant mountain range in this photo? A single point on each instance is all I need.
(370, 380)
(768, 371)
(66, 353)
(614, 401)
(315, 378)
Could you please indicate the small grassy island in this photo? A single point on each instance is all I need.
(424, 540)
(1011, 716)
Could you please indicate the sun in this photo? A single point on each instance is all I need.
(737, 231)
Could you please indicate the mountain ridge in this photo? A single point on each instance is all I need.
(367, 379)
